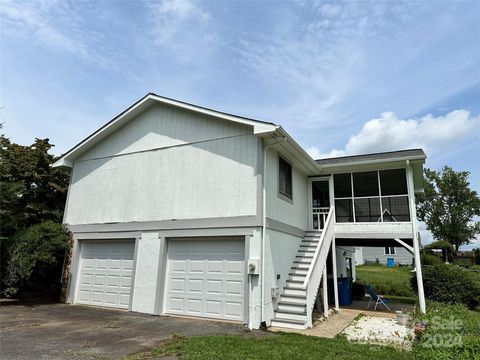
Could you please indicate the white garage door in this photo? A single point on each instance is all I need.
(106, 273)
(206, 278)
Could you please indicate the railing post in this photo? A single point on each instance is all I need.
(334, 266)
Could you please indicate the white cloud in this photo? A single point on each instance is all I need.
(54, 24)
(388, 133)
(170, 16)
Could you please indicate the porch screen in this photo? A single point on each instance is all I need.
(372, 196)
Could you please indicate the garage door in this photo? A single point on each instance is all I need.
(206, 278)
(106, 273)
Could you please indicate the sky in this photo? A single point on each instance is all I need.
(341, 77)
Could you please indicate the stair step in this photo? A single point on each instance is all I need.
(283, 306)
(290, 315)
(290, 290)
(307, 247)
(297, 299)
(289, 324)
(295, 284)
(306, 251)
(301, 266)
(305, 256)
(303, 261)
(298, 277)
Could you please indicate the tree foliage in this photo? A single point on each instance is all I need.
(449, 207)
(31, 190)
(36, 252)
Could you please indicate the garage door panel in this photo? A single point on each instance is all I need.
(206, 278)
(106, 270)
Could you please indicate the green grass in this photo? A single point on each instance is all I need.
(277, 346)
(387, 281)
(271, 346)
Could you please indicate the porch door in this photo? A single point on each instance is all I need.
(320, 203)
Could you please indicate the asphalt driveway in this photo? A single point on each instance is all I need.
(59, 331)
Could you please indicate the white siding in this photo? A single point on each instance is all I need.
(280, 252)
(373, 230)
(402, 256)
(202, 168)
(292, 213)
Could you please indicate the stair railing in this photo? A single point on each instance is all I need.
(315, 271)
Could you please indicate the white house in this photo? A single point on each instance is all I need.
(178, 209)
(399, 254)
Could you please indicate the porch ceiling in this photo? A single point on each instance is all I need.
(370, 242)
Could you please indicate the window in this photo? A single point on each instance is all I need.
(390, 250)
(365, 184)
(284, 178)
(394, 182)
(371, 196)
(342, 185)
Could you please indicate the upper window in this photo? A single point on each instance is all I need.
(342, 185)
(390, 250)
(394, 182)
(365, 184)
(284, 178)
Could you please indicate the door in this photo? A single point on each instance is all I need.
(106, 269)
(206, 278)
(319, 203)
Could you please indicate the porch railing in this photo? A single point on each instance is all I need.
(318, 265)
(319, 217)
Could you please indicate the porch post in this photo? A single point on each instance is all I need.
(334, 265)
(416, 245)
(325, 293)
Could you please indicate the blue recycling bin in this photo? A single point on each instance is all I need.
(390, 262)
(344, 291)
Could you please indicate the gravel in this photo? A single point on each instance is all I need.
(381, 331)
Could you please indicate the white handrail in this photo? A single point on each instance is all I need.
(318, 265)
(317, 250)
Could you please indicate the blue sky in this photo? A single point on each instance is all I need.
(341, 77)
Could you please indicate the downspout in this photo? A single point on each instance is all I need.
(264, 224)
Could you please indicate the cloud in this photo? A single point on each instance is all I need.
(170, 16)
(57, 25)
(388, 133)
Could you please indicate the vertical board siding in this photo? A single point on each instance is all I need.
(293, 213)
(209, 171)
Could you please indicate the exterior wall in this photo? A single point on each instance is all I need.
(280, 251)
(167, 164)
(293, 212)
(342, 260)
(402, 255)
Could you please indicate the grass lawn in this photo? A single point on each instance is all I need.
(276, 346)
(387, 281)
(436, 343)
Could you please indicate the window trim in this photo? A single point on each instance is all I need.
(280, 194)
(389, 250)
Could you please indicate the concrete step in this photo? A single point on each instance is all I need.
(288, 324)
(289, 290)
(291, 315)
(291, 306)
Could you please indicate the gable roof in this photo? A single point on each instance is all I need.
(409, 154)
(259, 127)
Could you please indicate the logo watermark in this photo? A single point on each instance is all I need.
(443, 333)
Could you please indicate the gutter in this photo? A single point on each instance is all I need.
(264, 223)
(377, 161)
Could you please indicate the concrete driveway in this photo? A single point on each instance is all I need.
(59, 331)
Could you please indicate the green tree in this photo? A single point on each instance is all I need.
(31, 190)
(448, 206)
(35, 259)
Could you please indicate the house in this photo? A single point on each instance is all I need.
(399, 254)
(181, 210)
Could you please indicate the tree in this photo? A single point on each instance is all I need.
(31, 190)
(448, 206)
(36, 258)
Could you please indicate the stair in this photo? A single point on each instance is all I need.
(292, 307)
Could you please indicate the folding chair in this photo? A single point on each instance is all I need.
(376, 298)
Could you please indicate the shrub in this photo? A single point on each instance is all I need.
(35, 260)
(431, 259)
(450, 284)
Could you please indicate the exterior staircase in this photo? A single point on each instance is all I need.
(292, 307)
